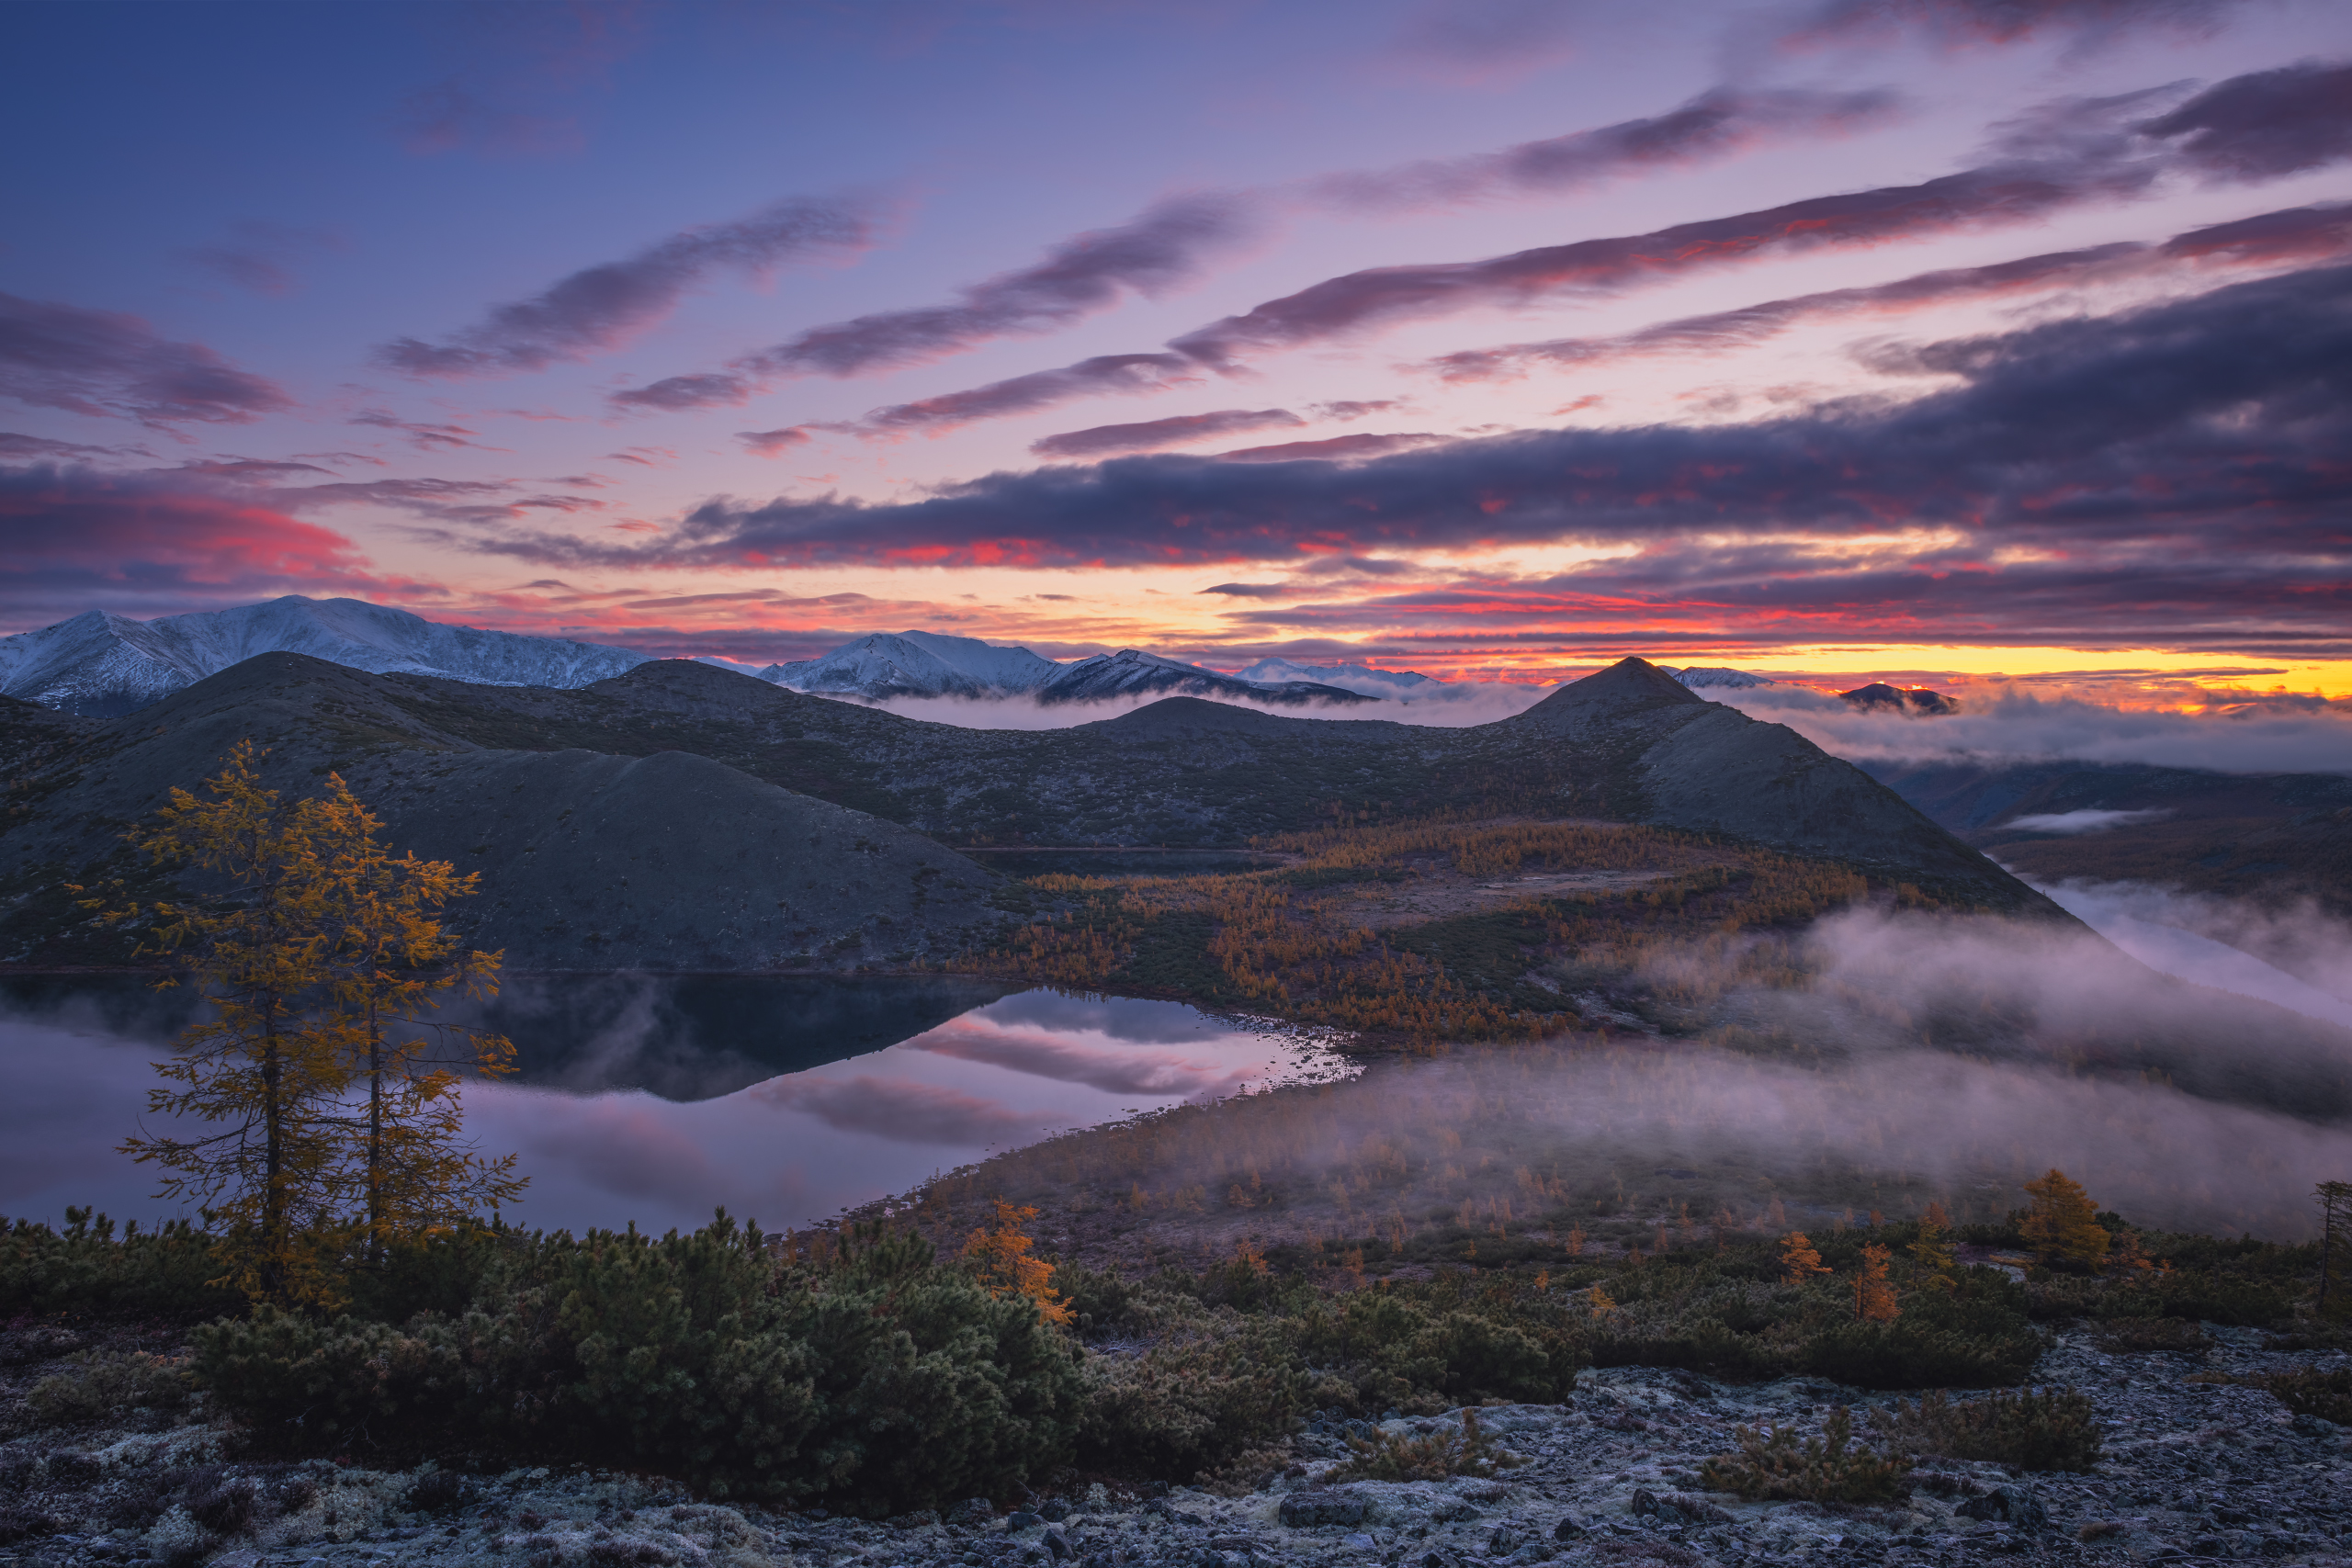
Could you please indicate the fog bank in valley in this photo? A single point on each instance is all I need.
(2016, 725)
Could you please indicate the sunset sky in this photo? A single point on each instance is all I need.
(1932, 339)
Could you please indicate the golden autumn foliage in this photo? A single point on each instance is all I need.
(1291, 940)
(393, 962)
(328, 1129)
(1000, 1253)
(1800, 1259)
(1874, 1297)
(2062, 1225)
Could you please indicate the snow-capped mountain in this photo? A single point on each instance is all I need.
(1403, 685)
(1131, 671)
(103, 664)
(916, 664)
(1699, 676)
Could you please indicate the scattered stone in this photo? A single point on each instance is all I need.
(1301, 1510)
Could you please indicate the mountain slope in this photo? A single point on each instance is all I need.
(103, 664)
(1669, 756)
(665, 861)
(2272, 837)
(555, 791)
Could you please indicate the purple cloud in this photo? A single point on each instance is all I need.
(2265, 125)
(257, 259)
(2136, 450)
(425, 437)
(1167, 245)
(1090, 273)
(1960, 24)
(2298, 234)
(1106, 374)
(103, 364)
(600, 308)
(1153, 435)
(772, 443)
(1716, 124)
(1337, 448)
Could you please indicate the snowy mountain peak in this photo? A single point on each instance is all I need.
(103, 664)
(1401, 684)
(916, 664)
(1699, 676)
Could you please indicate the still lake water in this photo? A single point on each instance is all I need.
(656, 1098)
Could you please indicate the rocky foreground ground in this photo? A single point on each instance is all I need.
(2203, 1471)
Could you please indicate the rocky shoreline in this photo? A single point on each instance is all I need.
(2194, 1471)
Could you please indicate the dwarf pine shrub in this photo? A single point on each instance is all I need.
(879, 1379)
(101, 1383)
(1426, 1456)
(1831, 1468)
(2034, 1429)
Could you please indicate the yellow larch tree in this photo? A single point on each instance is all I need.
(263, 1068)
(1000, 1256)
(1874, 1297)
(393, 963)
(1800, 1259)
(2062, 1225)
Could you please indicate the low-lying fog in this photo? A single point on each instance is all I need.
(2012, 725)
(1873, 1061)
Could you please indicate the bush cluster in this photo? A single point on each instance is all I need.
(103, 1384)
(2033, 1430)
(1772, 1466)
(1731, 1316)
(1426, 1456)
(86, 1265)
(878, 1380)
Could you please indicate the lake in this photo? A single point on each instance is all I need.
(657, 1098)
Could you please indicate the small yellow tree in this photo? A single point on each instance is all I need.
(1800, 1259)
(263, 1067)
(2062, 1225)
(1874, 1297)
(1001, 1252)
(393, 962)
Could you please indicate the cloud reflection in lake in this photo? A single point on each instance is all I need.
(784, 1150)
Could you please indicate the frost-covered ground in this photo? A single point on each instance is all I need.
(2193, 1470)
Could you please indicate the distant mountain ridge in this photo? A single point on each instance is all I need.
(916, 664)
(1703, 675)
(1402, 684)
(100, 664)
(883, 665)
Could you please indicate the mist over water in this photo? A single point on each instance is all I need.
(603, 1146)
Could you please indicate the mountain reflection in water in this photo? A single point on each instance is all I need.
(655, 1099)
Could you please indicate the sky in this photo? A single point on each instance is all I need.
(1931, 339)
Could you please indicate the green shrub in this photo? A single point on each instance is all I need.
(2308, 1391)
(1429, 1456)
(880, 1381)
(85, 1267)
(102, 1383)
(2044, 1430)
(1215, 1385)
(1829, 1469)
